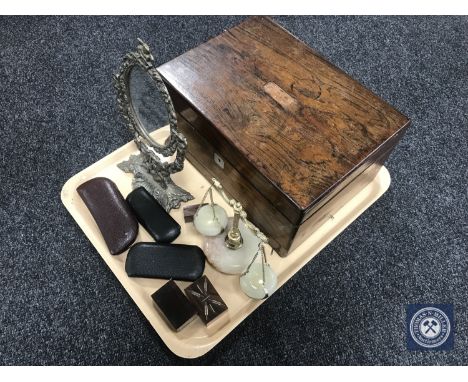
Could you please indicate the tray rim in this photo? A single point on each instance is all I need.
(178, 347)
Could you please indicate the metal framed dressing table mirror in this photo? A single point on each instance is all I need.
(138, 83)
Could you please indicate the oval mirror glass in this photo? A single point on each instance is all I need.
(147, 104)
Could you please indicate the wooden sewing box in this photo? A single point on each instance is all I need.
(284, 130)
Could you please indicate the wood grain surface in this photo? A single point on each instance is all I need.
(295, 127)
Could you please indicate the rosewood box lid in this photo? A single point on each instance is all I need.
(296, 125)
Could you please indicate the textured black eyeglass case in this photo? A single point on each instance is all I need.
(151, 215)
(174, 306)
(165, 261)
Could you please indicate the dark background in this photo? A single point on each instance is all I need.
(60, 304)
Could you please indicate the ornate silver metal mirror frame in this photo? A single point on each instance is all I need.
(151, 168)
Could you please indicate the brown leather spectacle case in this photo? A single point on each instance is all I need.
(111, 213)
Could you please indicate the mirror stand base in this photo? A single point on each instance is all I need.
(169, 197)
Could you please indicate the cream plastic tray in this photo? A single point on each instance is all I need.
(194, 340)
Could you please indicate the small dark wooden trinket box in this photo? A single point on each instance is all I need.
(209, 304)
(173, 306)
(282, 128)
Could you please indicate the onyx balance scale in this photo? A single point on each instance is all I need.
(137, 83)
